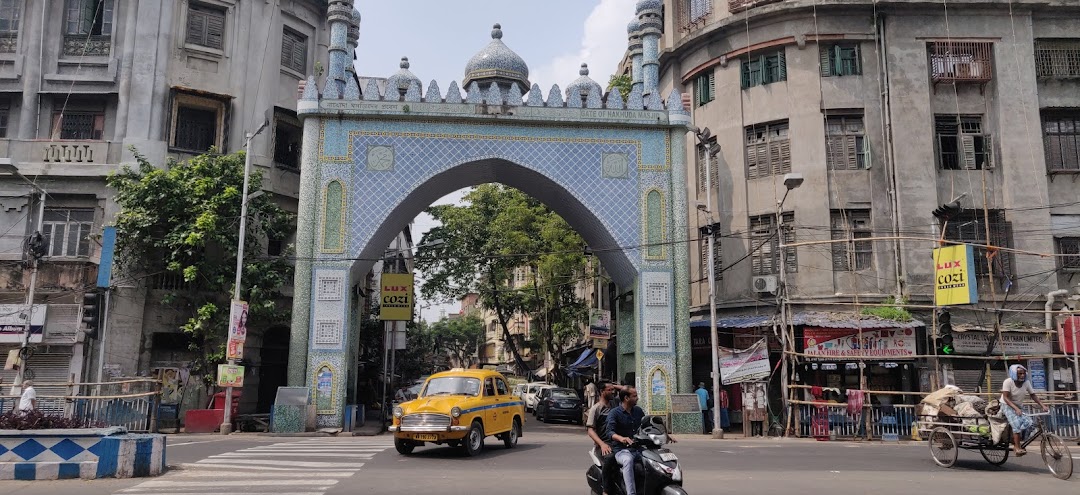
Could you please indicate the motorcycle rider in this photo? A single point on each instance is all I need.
(596, 426)
(622, 423)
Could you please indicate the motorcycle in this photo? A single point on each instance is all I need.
(657, 470)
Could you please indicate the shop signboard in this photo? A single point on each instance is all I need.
(839, 343)
(396, 297)
(13, 323)
(1037, 372)
(744, 365)
(954, 270)
(1012, 343)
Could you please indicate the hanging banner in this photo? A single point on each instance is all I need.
(396, 297)
(230, 375)
(954, 272)
(744, 365)
(234, 349)
(238, 317)
(844, 342)
(599, 324)
(1068, 334)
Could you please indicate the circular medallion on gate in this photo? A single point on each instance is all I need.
(615, 165)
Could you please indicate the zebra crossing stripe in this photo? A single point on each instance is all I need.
(246, 474)
(271, 462)
(315, 483)
(290, 454)
(353, 467)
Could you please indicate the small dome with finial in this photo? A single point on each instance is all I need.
(643, 5)
(584, 84)
(404, 78)
(497, 63)
(633, 28)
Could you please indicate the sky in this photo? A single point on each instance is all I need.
(439, 37)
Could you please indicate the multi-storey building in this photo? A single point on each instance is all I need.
(888, 109)
(81, 82)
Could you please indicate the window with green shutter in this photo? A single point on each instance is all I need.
(842, 59)
(205, 26)
(705, 88)
(764, 68)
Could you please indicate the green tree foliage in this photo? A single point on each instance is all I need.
(481, 243)
(623, 82)
(459, 337)
(890, 310)
(183, 221)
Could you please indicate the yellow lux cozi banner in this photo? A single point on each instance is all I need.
(396, 297)
(954, 276)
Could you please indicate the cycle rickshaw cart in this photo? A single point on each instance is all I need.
(950, 434)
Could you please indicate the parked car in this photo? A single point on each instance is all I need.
(531, 389)
(519, 391)
(559, 403)
(459, 408)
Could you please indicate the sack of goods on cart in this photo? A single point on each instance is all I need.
(969, 413)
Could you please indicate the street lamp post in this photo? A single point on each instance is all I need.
(711, 149)
(791, 181)
(226, 423)
(7, 166)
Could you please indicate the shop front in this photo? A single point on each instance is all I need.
(842, 359)
(1027, 348)
(735, 335)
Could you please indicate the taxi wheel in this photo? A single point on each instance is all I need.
(473, 443)
(510, 439)
(404, 447)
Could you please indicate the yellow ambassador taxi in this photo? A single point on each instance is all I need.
(459, 408)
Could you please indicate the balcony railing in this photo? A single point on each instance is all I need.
(1057, 58)
(82, 45)
(8, 42)
(694, 14)
(961, 62)
(741, 5)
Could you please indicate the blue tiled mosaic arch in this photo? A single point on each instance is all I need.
(614, 168)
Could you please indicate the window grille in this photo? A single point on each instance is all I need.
(840, 60)
(1070, 248)
(1061, 138)
(196, 128)
(765, 68)
(1057, 58)
(960, 61)
(970, 227)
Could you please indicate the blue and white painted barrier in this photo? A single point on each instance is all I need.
(86, 454)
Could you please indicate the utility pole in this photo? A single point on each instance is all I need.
(226, 423)
(711, 149)
(34, 250)
(791, 181)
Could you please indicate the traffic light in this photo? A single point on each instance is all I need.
(91, 313)
(945, 338)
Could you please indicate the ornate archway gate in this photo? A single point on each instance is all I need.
(373, 160)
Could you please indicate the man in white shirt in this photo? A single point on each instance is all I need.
(1015, 390)
(28, 400)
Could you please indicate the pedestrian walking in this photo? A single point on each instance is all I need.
(725, 418)
(28, 400)
(590, 394)
(706, 408)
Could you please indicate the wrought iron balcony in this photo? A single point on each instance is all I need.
(961, 62)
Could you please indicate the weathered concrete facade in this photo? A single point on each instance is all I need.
(897, 92)
(170, 78)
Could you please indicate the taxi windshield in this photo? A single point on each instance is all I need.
(451, 385)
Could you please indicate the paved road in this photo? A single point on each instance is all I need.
(551, 459)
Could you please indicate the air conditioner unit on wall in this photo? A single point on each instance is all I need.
(765, 283)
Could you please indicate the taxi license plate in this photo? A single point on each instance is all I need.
(668, 456)
(426, 438)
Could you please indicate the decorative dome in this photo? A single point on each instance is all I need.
(497, 62)
(643, 5)
(401, 80)
(633, 28)
(584, 84)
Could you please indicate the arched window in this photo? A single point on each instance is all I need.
(333, 218)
